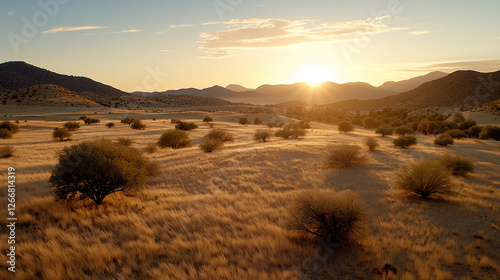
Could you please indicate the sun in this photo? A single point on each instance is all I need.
(315, 76)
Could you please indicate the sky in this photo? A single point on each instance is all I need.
(156, 45)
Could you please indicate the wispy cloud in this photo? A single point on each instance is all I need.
(420, 32)
(71, 28)
(268, 33)
(127, 31)
(478, 65)
(165, 50)
(181, 25)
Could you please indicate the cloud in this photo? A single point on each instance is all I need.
(269, 33)
(478, 65)
(420, 32)
(127, 31)
(217, 54)
(165, 50)
(68, 28)
(181, 25)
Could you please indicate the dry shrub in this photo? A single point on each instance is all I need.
(12, 127)
(151, 148)
(110, 125)
(219, 134)
(263, 135)
(61, 133)
(174, 139)
(371, 143)
(343, 156)
(403, 130)
(457, 133)
(335, 218)
(137, 124)
(444, 140)
(186, 126)
(244, 121)
(294, 130)
(209, 145)
(405, 141)
(5, 133)
(125, 141)
(72, 126)
(424, 178)
(6, 151)
(96, 169)
(490, 131)
(457, 164)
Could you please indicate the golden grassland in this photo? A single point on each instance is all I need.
(222, 215)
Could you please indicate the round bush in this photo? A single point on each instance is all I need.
(343, 156)
(72, 126)
(293, 130)
(456, 133)
(457, 164)
(186, 126)
(371, 143)
(444, 140)
(210, 144)
(208, 119)
(424, 178)
(110, 125)
(385, 130)
(490, 131)
(61, 133)
(403, 130)
(257, 121)
(405, 141)
(243, 121)
(262, 135)
(11, 127)
(174, 139)
(219, 134)
(151, 148)
(137, 124)
(96, 169)
(345, 127)
(6, 151)
(127, 121)
(334, 218)
(370, 123)
(474, 131)
(5, 133)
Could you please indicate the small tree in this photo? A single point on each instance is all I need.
(61, 133)
(174, 139)
(257, 121)
(444, 140)
(186, 126)
(72, 126)
(345, 127)
(425, 178)
(385, 130)
(243, 121)
(102, 168)
(263, 135)
(403, 130)
(208, 119)
(371, 143)
(127, 121)
(405, 141)
(370, 122)
(138, 125)
(110, 125)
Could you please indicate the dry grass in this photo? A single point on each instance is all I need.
(221, 215)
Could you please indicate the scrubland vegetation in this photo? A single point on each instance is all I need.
(318, 206)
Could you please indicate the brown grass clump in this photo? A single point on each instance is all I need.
(125, 141)
(457, 164)
(61, 133)
(219, 134)
(424, 178)
(6, 151)
(335, 218)
(343, 156)
(174, 139)
(96, 169)
(371, 143)
(5, 133)
(210, 144)
(262, 135)
(151, 148)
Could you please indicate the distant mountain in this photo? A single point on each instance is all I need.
(238, 88)
(459, 89)
(17, 75)
(406, 85)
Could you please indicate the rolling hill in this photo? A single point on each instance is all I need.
(45, 95)
(406, 85)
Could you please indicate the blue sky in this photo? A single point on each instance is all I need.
(160, 45)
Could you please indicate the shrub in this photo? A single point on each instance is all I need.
(357, 121)
(444, 140)
(125, 141)
(343, 156)
(151, 148)
(103, 168)
(262, 135)
(490, 131)
(210, 144)
(456, 133)
(5, 133)
(208, 119)
(371, 143)
(385, 130)
(290, 130)
(72, 126)
(257, 121)
(61, 133)
(137, 124)
(434, 128)
(110, 125)
(457, 164)
(83, 118)
(304, 125)
(370, 123)
(175, 121)
(345, 127)
(219, 134)
(243, 121)
(91, 121)
(424, 178)
(467, 124)
(458, 117)
(474, 131)
(174, 139)
(403, 130)
(11, 127)
(6, 151)
(186, 126)
(335, 218)
(127, 121)
(405, 141)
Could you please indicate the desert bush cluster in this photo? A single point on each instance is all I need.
(8, 129)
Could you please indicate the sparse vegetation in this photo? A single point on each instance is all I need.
(103, 168)
(72, 126)
(474, 131)
(456, 134)
(186, 126)
(174, 139)
(425, 178)
(208, 119)
(457, 164)
(293, 130)
(263, 135)
(405, 141)
(151, 148)
(91, 121)
(138, 125)
(172, 121)
(257, 121)
(6, 151)
(385, 130)
(11, 127)
(110, 125)
(211, 144)
(444, 140)
(345, 127)
(5, 133)
(371, 143)
(61, 134)
(336, 218)
(343, 156)
(125, 141)
(243, 121)
(127, 121)
(219, 134)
